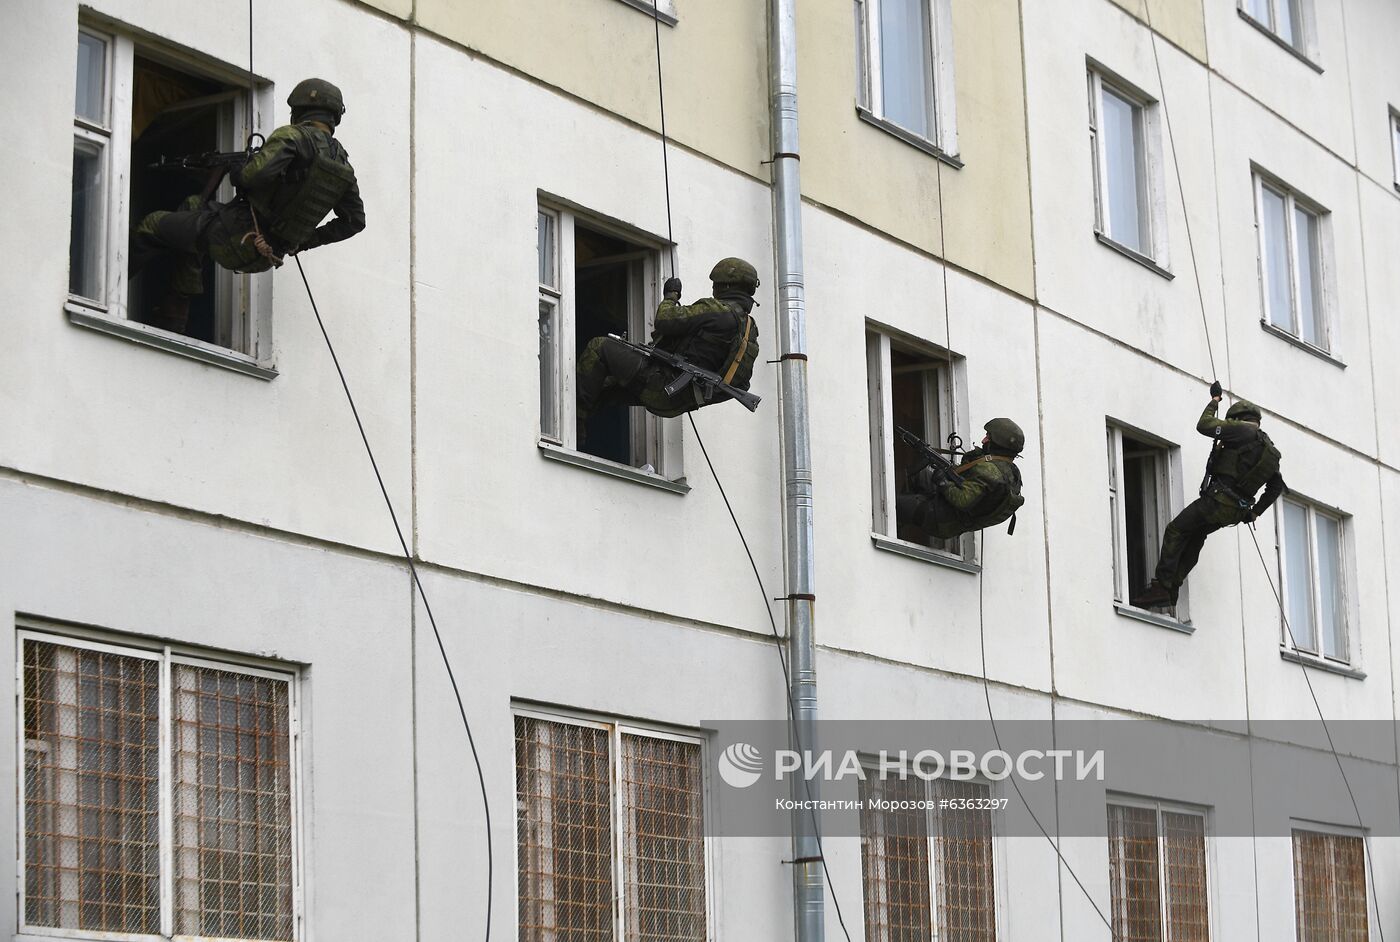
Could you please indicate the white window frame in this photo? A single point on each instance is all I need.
(1325, 300)
(1152, 210)
(616, 729)
(1303, 28)
(1168, 483)
(952, 388)
(245, 303)
(166, 656)
(1332, 830)
(933, 825)
(1395, 144)
(1349, 655)
(658, 440)
(663, 10)
(942, 119)
(1169, 807)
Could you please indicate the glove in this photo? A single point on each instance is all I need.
(672, 289)
(1216, 390)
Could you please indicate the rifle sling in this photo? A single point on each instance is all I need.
(963, 467)
(739, 353)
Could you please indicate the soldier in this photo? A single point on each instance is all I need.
(714, 333)
(285, 189)
(1242, 460)
(989, 492)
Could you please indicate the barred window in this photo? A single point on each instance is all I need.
(1157, 871)
(601, 806)
(928, 874)
(1329, 887)
(157, 794)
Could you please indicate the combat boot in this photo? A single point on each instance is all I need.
(1155, 595)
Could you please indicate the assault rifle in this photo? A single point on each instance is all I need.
(927, 455)
(210, 160)
(706, 382)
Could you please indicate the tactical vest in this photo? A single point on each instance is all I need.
(997, 505)
(298, 206)
(1248, 467)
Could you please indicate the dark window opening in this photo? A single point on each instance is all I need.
(916, 393)
(174, 114)
(609, 275)
(1144, 468)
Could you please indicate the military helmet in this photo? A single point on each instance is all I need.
(734, 271)
(1245, 410)
(317, 95)
(1006, 434)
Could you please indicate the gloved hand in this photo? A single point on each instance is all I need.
(672, 289)
(1216, 390)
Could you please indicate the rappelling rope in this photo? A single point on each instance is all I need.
(393, 516)
(1176, 164)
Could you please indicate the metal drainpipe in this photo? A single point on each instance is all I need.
(809, 894)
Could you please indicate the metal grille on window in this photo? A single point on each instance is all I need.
(91, 790)
(1188, 907)
(1329, 874)
(232, 804)
(1134, 874)
(895, 861)
(966, 879)
(663, 840)
(564, 826)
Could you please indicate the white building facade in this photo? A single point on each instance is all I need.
(231, 717)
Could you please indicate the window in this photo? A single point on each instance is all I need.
(906, 69)
(134, 105)
(158, 794)
(664, 10)
(610, 832)
(1141, 490)
(927, 874)
(1282, 18)
(1395, 143)
(1122, 138)
(1314, 583)
(1291, 263)
(596, 279)
(1329, 887)
(1157, 872)
(911, 386)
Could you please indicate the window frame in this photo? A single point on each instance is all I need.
(659, 440)
(1394, 115)
(940, 78)
(166, 656)
(952, 390)
(1304, 30)
(1324, 290)
(663, 10)
(1170, 502)
(1151, 196)
(1350, 655)
(1161, 807)
(933, 819)
(1332, 831)
(245, 302)
(616, 729)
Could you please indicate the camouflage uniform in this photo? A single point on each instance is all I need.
(704, 333)
(990, 492)
(267, 182)
(1225, 502)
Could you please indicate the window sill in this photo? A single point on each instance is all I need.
(1301, 344)
(909, 137)
(580, 459)
(1283, 44)
(206, 353)
(653, 11)
(914, 551)
(1133, 254)
(1321, 664)
(1151, 618)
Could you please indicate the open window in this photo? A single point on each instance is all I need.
(920, 387)
(595, 279)
(134, 104)
(1142, 495)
